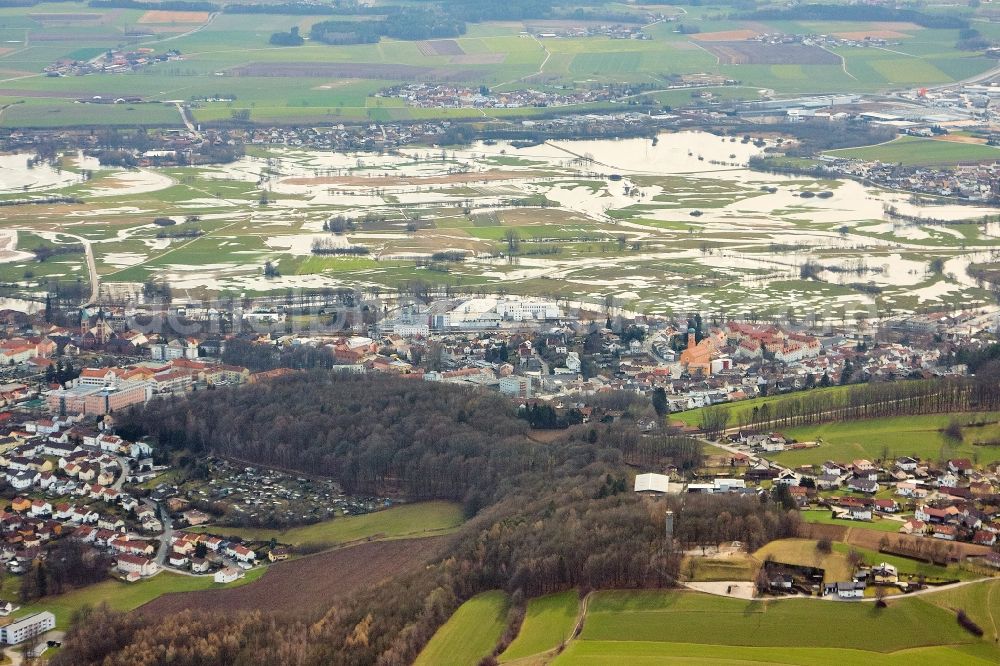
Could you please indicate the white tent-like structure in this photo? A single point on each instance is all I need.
(652, 483)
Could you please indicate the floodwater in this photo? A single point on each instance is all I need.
(687, 188)
(15, 176)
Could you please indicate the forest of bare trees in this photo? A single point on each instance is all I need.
(549, 532)
(374, 435)
(544, 515)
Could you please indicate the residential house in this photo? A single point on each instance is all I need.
(227, 575)
(178, 559)
(866, 486)
(946, 532)
(846, 589)
(828, 481)
(886, 506)
(128, 563)
(962, 466)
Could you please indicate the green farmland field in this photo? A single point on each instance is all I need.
(648, 627)
(469, 634)
(640, 653)
(981, 602)
(404, 521)
(906, 435)
(548, 622)
(328, 83)
(914, 151)
(683, 617)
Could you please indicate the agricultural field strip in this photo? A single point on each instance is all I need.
(225, 41)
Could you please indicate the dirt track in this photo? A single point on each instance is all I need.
(308, 584)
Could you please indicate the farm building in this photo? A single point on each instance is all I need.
(652, 484)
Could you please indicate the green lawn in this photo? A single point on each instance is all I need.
(915, 151)
(548, 622)
(707, 570)
(636, 653)
(980, 601)
(673, 617)
(903, 435)
(127, 596)
(406, 520)
(469, 634)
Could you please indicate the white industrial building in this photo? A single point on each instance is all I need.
(483, 313)
(652, 483)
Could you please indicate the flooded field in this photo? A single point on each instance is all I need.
(673, 225)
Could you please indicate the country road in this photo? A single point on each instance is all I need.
(95, 279)
(167, 536)
(126, 470)
(188, 122)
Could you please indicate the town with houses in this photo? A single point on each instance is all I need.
(68, 475)
(428, 95)
(114, 61)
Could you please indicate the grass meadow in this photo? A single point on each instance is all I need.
(469, 634)
(548, 622)
(916, 151)
(644, 653)
(898, 436)
(647, 627)
(403, 521)
(685, 617)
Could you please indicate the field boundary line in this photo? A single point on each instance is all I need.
(718, 58)
(908, 55)
(546, 656)
(211, 17)
(843, 62)
(541, 67)
(989, 611)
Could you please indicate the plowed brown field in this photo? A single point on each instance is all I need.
(309, 584)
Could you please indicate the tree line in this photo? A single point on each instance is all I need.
(857, 12)
(865, 401)
(399, 23)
